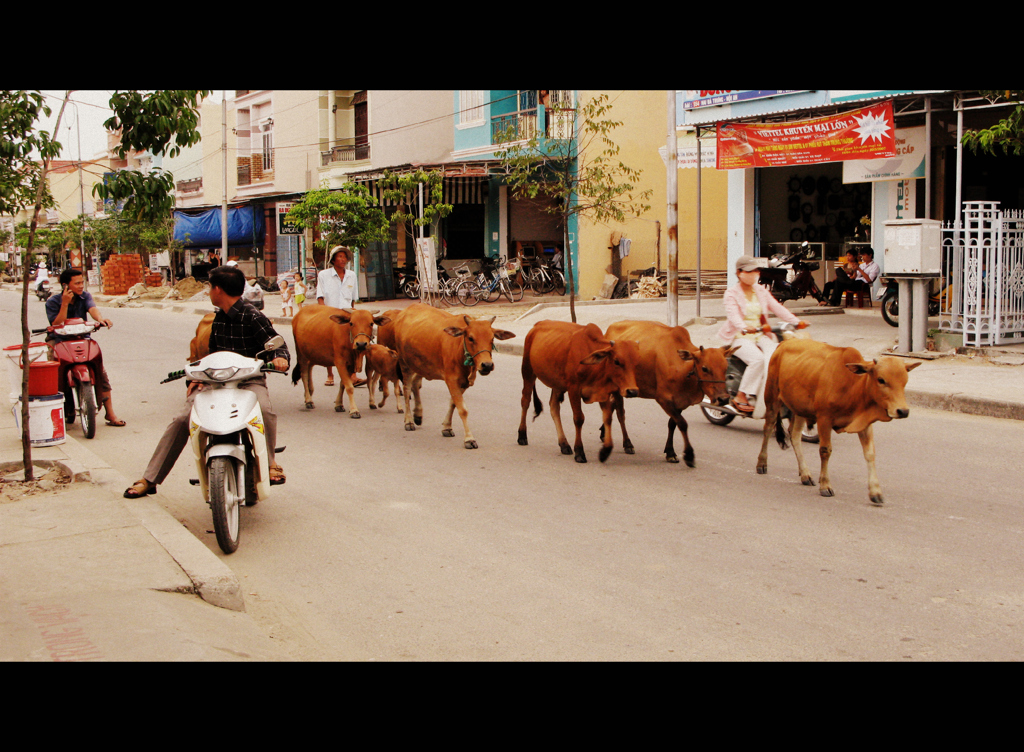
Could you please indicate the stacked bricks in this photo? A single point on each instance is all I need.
(121, 272)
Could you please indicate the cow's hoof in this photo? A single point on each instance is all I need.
(688, 459)
(447, 432)
(580, 456)
(672, 458)
(604, 453)
(471, 444)
(566, 449)
(809, 481)
(354, 414)
(418, 420)
(877, 499)
(627, 447)
(374, 407)
(309, 405)
(410, 427)
(824, 491)
(762, 469)
(522, 439)
(339, 408)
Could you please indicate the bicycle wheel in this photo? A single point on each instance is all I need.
(542, 282)
(467, 292)
(493, 291)
(512, 290)
(559, 282)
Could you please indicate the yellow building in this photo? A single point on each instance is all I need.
(644, 130)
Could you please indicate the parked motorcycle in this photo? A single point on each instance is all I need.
(407, 283)
(43, 290)
(723, 415)
(891, 301)
(788, 275)
(227, 435)
(78, 359)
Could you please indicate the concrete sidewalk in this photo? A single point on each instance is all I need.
(88, 575)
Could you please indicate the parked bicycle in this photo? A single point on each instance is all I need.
(492, 282)
(543, 277)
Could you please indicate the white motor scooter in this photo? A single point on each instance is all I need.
(723, 415)
(228, 438)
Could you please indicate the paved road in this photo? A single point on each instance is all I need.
(391, 545)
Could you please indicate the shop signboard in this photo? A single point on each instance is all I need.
(865, 133)
(907, 164)
(696, 98)
(286, 226)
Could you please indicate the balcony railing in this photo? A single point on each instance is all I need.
(350, 153)
(522, 125)
(190, 186)
(514, 126)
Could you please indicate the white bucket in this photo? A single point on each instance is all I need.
(36, 350)
(45, 419)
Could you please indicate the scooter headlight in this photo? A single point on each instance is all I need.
(220, 374)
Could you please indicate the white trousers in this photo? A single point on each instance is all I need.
(756, 354)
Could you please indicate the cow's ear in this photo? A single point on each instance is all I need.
(728, 351)
(337, 319)
(503, 334)
(686, 355)
(595, 357)
(860, 368)
(381, 320)
(912, 366)
(454, 331)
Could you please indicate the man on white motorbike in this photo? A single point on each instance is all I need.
(238, 327)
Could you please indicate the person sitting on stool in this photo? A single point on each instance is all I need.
(860, 281)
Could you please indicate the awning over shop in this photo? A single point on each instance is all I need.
(203, 230)
(464, 182)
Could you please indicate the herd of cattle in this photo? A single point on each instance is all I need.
(808, 381)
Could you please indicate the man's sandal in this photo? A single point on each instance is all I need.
(139, 489)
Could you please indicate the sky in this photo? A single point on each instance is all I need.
(85, 116)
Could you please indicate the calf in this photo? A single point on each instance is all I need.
(673, 372)
(199, 347)
(326, 336)
(435, 345)
(382, 365)
(837, 389)
(578, 360)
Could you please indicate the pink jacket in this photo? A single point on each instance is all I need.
(736, 303)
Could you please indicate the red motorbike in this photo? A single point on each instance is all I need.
(79, 359)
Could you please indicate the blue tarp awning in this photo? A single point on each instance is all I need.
(245, 227)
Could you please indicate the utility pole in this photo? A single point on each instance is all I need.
(673, 215)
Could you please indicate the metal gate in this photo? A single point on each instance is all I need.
(982, 286)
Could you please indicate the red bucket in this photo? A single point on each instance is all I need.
(42, 378)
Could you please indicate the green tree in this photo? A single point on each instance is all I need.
(1007, 134)
(404, 190)
(159, 122)
(22, 182)
(346, 216)
(582, 174)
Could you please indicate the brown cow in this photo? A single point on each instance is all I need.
(673, 372)
(326, 336)
(837, 389)
(434, 344)
(382, 365)
(578, 360)
(199, 347)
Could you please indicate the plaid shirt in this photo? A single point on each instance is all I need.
(244, 330)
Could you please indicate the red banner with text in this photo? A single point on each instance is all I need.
(867, 133)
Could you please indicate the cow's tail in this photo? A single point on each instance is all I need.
(538, 407)
(297, 371)
(781, 435)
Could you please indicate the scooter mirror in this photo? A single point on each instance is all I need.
(274, 343)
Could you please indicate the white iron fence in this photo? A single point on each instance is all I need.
(981, 293)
